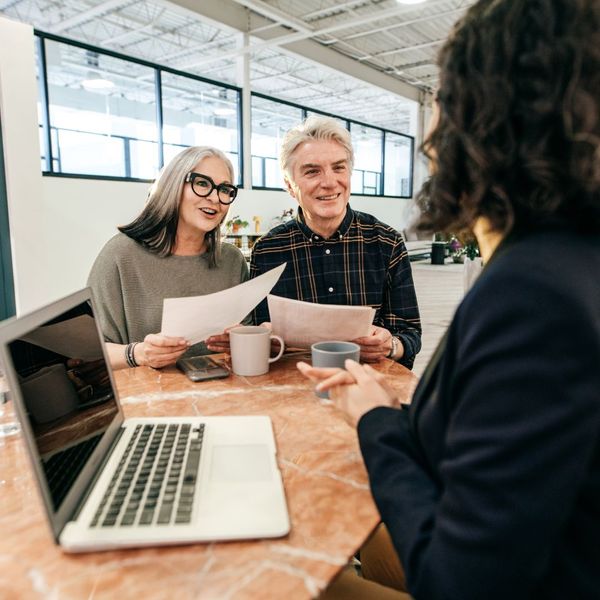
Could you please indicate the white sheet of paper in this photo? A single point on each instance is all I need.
(301, 324)
(75, 338)
(197, 317)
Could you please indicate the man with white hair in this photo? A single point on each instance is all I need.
(336, 255)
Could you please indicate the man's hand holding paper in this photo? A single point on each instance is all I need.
(375, 346)
(301, 324)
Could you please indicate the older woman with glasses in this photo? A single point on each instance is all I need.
(172, 249)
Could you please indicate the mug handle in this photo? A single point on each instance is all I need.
(281, 349)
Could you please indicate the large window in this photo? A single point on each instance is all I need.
(342, 122)
(368, 145)
(382, 158)
(104, 114)
(398, 165)
(270, 121)
(196, 113)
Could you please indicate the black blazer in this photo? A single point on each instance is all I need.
(490, 483)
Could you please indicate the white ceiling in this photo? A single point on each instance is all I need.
(359, 59)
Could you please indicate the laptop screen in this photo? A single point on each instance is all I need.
(67, 393)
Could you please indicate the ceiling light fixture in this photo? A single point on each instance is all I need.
(94, 81)
(97, 83)
(411, 1)
(224, 112)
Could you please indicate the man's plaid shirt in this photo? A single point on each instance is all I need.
(364, 263)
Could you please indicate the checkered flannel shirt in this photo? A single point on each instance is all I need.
(364, 263)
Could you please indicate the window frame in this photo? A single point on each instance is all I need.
(349, 123)
(49, 159)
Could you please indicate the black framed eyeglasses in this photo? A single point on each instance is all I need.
(203, 185)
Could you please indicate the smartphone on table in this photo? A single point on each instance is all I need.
(201, 368)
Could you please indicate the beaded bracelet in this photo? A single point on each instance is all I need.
(129, 354)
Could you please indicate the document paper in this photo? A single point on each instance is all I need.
(197, 317)
(301, 324)
(74, 338)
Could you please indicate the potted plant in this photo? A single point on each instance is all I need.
(472, 261)
(235, 224)
(457, 250)
(286, 215)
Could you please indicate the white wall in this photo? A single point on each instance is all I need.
(59, 224)
(82, 214)
(22, 165)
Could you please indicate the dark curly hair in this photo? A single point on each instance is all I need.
(518, 135)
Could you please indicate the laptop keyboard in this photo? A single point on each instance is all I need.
(63, 468)
(155, 481)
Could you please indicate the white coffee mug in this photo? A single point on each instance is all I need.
(250, 349)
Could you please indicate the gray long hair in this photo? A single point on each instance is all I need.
(155, 227)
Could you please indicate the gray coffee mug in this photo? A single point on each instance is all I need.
(333, 354)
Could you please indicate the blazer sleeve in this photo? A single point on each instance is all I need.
(521, 418)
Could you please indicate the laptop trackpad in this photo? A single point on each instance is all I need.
(239, 463)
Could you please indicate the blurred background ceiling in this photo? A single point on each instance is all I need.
(367, 60)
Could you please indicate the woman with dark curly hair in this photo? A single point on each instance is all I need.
(489, 484)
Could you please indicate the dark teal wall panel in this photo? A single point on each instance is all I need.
(7, 289)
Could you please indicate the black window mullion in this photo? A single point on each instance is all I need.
(382, 181)
(240, 118)
(44, 101)
(412, 167)
(159, 117)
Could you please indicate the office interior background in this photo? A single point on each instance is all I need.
(96, 96)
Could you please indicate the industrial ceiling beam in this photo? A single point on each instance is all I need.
(87, 15)
(403, 49)
(394, 26)
(232, 14)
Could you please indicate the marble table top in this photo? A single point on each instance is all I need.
(330, 506)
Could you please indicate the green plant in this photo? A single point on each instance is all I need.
(471, 249)
(462, 245)
(456, 249)
(236, 222)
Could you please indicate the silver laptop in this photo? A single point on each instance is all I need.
(109, 482)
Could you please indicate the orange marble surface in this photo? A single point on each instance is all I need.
(330, 506)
